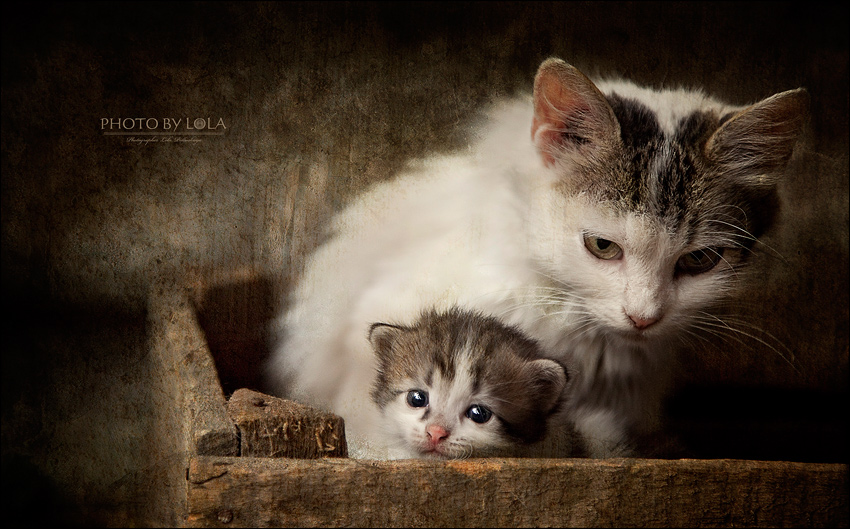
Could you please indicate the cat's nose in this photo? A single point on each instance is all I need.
(436, 433)
(642, 323)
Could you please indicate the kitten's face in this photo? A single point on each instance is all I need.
(446, 418)
(457, 385)
(651, 214)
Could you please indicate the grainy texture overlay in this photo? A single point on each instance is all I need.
(270, 117)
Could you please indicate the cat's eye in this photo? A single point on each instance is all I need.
(699, 261)
(602, 248)
(478, 413)
(417, 398)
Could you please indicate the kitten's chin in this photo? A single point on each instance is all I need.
(424, 450)
(434, 454)
(443, 453)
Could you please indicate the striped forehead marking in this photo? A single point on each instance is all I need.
(657, 173)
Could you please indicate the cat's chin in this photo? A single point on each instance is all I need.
(637, 336)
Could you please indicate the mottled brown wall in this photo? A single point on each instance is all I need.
(319, 100)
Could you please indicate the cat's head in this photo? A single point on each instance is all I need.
(654, 199)
(457, 384)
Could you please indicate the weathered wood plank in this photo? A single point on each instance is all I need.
(179, 347)
(515, 492)
(273, 427)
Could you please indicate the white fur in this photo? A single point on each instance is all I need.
(489, 230)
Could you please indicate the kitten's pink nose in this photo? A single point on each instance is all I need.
(642, 323)
(436, 433)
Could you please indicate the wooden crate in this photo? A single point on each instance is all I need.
(230, 478)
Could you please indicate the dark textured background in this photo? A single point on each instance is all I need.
(319, 100)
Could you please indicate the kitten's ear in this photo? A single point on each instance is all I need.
(548, 381)
(570, 113)
(757, 141)
(382, 336)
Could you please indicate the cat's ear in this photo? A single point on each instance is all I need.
(570, 113)
(759, 140)
(382, 336)
(548, 381)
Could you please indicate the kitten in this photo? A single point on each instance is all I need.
(608, 234)
(458, 384)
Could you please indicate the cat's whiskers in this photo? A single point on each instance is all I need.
(686, 333)
(725, 239)
(555, 291)
(564, 285)
(466, 451)
(562, 313)
(731, 267)
(746, 323)
(530, 297)
(718, 331)
(585, 328)
(746, 235)
(562, 295)
(687, 329)
(725, 328)
(566, 303)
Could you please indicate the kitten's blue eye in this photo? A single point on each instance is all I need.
(602, 248)
(417, 398)
(479, 414)
(699, 261)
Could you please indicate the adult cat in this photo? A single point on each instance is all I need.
(606, 221)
